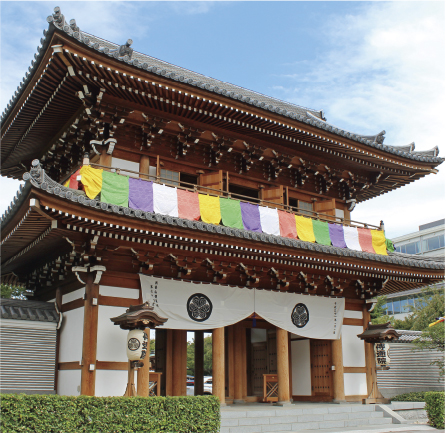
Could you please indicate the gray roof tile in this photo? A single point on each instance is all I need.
(19, 309)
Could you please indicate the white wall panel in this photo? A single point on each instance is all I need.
(301, 367)
(125, 165)
(111, 383)
(69, 382)
(112, 339)
(355, 383)
(353, 350)
(350, 314)
(119, 292)
(71, 337)
(73, 295)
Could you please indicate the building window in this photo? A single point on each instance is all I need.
(433, 243)
(306, 208)
(410, 248)
(170, 177)
(125, 165)
(188, 180)
(243, 193)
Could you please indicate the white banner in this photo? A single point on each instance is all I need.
(305, 315)
(197, 306)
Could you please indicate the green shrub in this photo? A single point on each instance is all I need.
(435, 408)
(61, 414)
(410, 396)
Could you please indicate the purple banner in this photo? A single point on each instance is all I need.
(140, 194)
(251, 217)
(337, 235)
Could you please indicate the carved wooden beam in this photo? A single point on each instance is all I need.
(282, 283)
(308, 287)
(250, 276)
(218, 275)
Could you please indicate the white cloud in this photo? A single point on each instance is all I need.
(385, 70)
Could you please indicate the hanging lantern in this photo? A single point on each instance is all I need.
(382, 357)
(136, 345)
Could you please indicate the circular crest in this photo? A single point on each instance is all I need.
(300, 315)
(133, 344)
(199, 307)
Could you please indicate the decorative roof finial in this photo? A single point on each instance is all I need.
(123, 51)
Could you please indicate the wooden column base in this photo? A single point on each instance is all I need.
(376, 396)
(130, 391)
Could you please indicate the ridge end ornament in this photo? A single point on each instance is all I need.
(300, 315)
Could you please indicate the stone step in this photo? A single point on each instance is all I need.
(282, 420)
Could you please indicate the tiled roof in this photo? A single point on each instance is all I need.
(41, 180)
(408, 336)
(18, 309)
(176, 73)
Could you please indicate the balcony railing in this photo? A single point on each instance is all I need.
(222, 193)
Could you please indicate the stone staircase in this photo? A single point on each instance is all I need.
(300, 417)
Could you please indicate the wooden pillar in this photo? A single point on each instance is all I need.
(142, 380)
(283, 373)
(178, 368)
(144, 164)
(169, 362)
(90, 337)
(369, 355)
(199, 363)
(338, 373)
(238, 364)
(105, 159)
(230, 345)
(218, 364)
(184, 363)
(244, 362)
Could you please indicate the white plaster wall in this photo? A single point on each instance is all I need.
(349, 314)
(258, 335)
(301, 367)
(73, 295)
(353, 350)
(112, 339)
(119, 292)
(69, 382)
(70, 347)
(111, 383)
(355, 384)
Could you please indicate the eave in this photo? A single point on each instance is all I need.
(79, 63)
(73, 222)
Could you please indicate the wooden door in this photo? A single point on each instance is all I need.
(274, 195)
(212, 180)
(327, 207)
(272, 351)
(321, 373)
(259, 367)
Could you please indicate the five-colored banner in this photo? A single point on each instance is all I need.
(153, 197)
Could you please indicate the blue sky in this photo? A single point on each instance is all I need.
(369, 65)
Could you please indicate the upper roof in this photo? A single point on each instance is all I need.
(168, 71)
(19, 309)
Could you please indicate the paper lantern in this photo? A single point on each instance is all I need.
(136, 344)
(382, 357)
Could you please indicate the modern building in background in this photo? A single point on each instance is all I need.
(428, 241)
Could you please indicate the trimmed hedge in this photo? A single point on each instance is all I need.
(435, 408)
(410, 396)
(61, 414)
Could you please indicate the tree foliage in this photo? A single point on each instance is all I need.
(207, 363)
(426, 309)
(14, 292)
